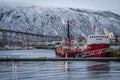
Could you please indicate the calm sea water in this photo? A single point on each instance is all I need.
(55, 70)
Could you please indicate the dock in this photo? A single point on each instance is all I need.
(62, 59)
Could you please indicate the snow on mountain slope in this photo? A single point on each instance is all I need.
(52, 21)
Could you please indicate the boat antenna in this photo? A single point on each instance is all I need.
(94, 26)
(96, 22)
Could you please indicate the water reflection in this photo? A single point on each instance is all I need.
(62, 70)
(72, 66)
(96, 70)
(65, 65)
(14, 71)
(91, 70)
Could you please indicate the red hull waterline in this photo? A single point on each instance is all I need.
(92, 50)
(97, 50)
(67, 52)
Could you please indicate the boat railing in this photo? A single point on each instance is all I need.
(70, 47)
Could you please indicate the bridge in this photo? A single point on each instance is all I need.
(12, 37)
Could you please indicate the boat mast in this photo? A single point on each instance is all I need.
(68, 34)
(96, 24)
(68, 31)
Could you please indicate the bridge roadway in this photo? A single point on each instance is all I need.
(63, 59)
(12, 31)
(17, 37)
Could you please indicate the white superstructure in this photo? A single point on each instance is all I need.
(91, 39)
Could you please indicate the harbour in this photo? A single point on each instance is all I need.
(59, 40)
(61, 69)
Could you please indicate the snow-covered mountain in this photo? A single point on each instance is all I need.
(52, 21)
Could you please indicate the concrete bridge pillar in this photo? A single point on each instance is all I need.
(4, 38)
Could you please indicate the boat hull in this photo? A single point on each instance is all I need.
(67, 52)
(72, 55)
(97, 50)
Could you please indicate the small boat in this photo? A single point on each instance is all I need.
(29, 48)
(97, 45)
(9, 47)
(67, 48)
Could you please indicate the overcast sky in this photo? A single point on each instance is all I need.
(111, 5)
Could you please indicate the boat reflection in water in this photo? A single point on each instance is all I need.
(60, 70)
(65, 65)
(92, 70)
(98, 70)
(14, 71)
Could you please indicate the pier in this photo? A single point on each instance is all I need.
(63, 59)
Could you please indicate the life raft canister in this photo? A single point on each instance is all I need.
(59, 48)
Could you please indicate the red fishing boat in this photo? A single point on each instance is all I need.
(68, 47)
(97, 45)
